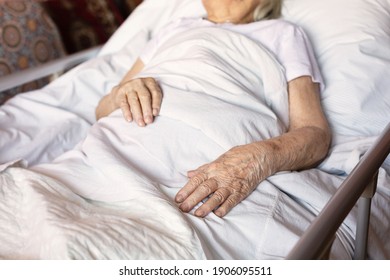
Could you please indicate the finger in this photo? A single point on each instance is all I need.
(189, 188)
(229, 203)
(135, 107)
(192, 173)
(145, 100)
(156, 93)
(216, 199)
(201, 192)
(203, 168)
(125, 108)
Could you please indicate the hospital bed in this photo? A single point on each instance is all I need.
(73, 188)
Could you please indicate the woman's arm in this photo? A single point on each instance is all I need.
(139, 99)
(308, 138)
(234, 175)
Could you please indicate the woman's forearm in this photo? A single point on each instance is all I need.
(298, 149)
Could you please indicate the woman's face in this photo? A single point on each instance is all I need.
(235, 11)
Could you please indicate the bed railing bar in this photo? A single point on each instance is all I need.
(47, 69)
(324, 227)
(325, 251)
(364, 210)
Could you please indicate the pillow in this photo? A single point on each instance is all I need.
(352, 43)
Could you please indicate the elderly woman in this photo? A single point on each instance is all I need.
(234, 175)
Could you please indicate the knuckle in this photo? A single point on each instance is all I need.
(197, 180)
(205, 188)
(138, 81)
(218, 197)
(246, 189)
(149, 80)
(231, 201)
(126, 86)
(123, 103)
(144, 95)
(132, 95)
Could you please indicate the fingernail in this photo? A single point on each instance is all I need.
(148, 119)
(218, 213)
(199, 213)
(179, 198)
(184, 207)
(155, 112)
(141, 123)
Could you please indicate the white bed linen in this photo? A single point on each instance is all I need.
(40, 125)
(121, 165)
(42, 219)
(28, 131)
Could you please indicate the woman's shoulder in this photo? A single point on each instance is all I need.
(283, 28)
(185, 21)
(178, 24)
(280, 24)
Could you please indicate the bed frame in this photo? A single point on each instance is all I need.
(358, 188)
(54, 67)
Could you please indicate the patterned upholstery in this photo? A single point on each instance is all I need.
(85, 23)
(33, 33)
(28, 37)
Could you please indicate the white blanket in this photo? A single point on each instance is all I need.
(112, 195)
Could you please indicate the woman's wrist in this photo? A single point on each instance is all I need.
(106, 105)
(295, 150)
(267, 157)
(258, 159)
(112, 97)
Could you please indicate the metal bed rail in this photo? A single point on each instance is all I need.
(47, 69)
(316, 241)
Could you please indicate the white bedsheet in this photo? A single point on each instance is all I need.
(126, 174)
(42, 219)
(38, 126)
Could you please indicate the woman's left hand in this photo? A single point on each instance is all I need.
(226, 181)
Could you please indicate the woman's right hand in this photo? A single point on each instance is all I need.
(139, 99)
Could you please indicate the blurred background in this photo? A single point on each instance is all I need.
(36, 32)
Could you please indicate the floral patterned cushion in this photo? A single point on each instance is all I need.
(84, 23)
(33, 33)
(28, 37)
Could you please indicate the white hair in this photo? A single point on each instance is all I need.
(268, 9)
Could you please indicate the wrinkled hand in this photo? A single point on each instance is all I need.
(139, 99)
(226, 181)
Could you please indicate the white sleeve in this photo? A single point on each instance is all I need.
(297, 56)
